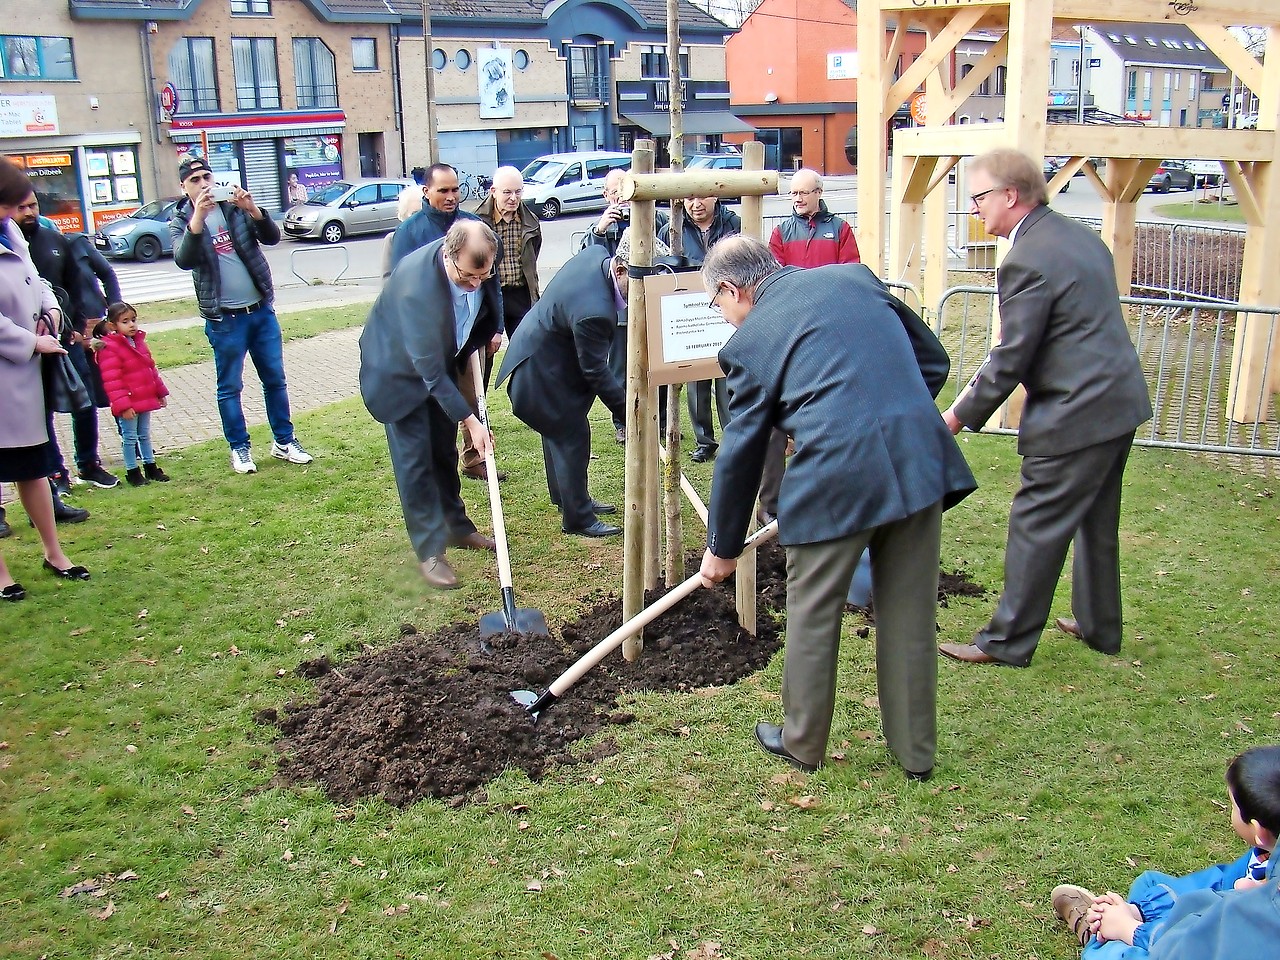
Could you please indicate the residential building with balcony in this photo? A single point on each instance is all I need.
(559, 66)
(274, 87)
(1156, 73)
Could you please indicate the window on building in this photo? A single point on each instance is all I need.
(1191, 86)
(192, 72)
(37, 58)
(584, 74)
(521, 59)
(462, 59)
(1002, 74)
(1133, 84)
(251, 8)
(1075, 72)
(655, 65)
(1053, 72)
(314, 74)
(1146, 85)
(257, 77)
(364, 53)
(438, 59)
(984, 88)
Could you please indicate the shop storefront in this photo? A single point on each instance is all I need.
(264, 154)
(82, 182)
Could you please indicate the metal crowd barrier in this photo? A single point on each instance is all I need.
(1186, 348)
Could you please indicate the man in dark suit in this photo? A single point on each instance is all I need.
(558, 363)
(828, 356)
(440, 305)
(1063, 337)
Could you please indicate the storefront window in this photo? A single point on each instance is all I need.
(316, 161)
(113, 182)
(56, 180)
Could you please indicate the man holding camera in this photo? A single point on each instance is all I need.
(216, 232)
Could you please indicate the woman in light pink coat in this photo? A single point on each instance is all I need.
(25, 453)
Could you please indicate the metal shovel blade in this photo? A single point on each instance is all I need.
(534, 703)
(523, 620)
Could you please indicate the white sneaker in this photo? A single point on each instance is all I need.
(241, 462)
(291, 452)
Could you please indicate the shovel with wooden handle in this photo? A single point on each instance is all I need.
(535, 703)
(510, 619)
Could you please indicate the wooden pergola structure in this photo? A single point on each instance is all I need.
(925, 156)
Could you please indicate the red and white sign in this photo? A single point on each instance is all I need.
(917, 108)
(168, 102)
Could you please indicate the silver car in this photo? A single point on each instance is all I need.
(143, 234)
(346, 208)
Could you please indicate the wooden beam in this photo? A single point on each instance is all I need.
(872, 149)
(1231, 52)
(934, 55)
(968, 85)
(1245, 197)
(698, 183)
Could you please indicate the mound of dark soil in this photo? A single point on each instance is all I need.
(433, 716)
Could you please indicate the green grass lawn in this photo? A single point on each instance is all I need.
(128, 748)
(1203, 212)
(173, 348)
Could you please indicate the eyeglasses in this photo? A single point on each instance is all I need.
(975, 197)
(713, 302)
(464, 277)
(804, 193)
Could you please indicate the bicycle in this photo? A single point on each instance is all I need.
(473, 185)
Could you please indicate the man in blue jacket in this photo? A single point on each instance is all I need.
(831, 358)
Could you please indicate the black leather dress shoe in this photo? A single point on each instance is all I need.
(703, 454)
(597, 529)
(69, 573)
(62, 513)
(770, 737)
(600, 509)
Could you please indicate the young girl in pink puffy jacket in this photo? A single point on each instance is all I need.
(134, 388)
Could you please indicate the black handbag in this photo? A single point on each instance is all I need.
(64, 389)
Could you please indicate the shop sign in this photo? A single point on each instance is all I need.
(28, 116)
(842, 66)
(102, 217)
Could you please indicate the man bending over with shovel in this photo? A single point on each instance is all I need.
(440, 305)
(830, 358)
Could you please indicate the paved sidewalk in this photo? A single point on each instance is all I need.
(320, 370)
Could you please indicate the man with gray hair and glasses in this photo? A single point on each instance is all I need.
(831, 358)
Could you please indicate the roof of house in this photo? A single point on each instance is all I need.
(1162, 44)
(652, 12)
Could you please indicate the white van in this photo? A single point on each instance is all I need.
(565, 182)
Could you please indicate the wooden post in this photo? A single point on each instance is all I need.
(640, 420)
(872, 158)
(674, 567)
(753, 226)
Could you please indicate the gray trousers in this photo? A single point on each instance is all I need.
(1070, 497)
(904, 569)
(425, 462)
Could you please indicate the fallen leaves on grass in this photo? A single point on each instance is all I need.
(106, 911)
(84, 886)
(807, 802)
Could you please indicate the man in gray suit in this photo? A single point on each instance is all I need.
(831, 358)
(440, 305)
(1063, 337)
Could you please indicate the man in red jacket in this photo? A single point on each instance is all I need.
(813, 236)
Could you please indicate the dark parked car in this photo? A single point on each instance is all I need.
(1171, 175)
(1051, 168)
(716, 161)
(143, 234)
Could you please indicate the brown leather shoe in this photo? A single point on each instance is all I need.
(437, 572)
(966, 653)
(474, 541)
(1071, 904)
(1069, 627)
(481, 472)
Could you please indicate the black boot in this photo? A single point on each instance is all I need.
(154, 472)
(5, 529)
(135, 477)
(65, 514)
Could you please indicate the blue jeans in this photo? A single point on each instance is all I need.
(258, 334)
(136, 436)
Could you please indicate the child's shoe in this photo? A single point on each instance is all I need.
(155, 473)
(135, 477)
(1071, 904)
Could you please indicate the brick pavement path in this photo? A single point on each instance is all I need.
(320, 370)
